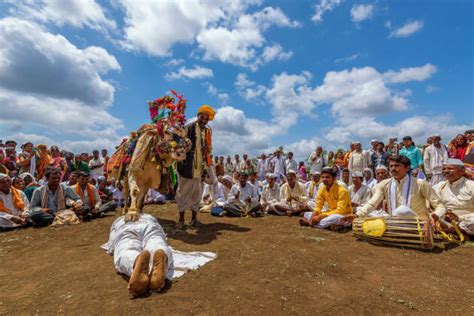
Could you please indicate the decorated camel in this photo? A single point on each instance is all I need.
(146, 159)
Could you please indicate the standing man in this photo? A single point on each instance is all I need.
(316, 160)
(434, 158)
(278, 165)
(192, 170)
(359, 160)
(96, 165)
(290, 163)
(229, 166)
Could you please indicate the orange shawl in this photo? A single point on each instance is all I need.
(17, 201)
(90, 194)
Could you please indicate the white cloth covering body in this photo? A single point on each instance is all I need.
(128, 239)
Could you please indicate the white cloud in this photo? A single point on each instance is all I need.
(347, 59)
(431, 89)
(51, 88)
(34, 60)
(223, 30)
(361, 12)
(221, 96)
(239, 43)
(174, 62)
(197, 72)
(358, 92)
(290, 98)
(407, 29)
(76, 13)
(419, 127)
(322, 7)
(275, 52)
(248, 89)
(410, 74)
(233, 132)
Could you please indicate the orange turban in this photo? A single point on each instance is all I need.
(208, 110)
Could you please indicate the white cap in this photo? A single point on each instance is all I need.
(228, 178)
(271, 175)
(357, 174)
(436, 135)
(374, 140)
(4, 176)
(381, 167)
(291, 171)
(315, 172)
(454, 162)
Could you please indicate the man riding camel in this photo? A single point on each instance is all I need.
(196, 166)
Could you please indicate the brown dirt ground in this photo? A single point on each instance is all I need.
(265, 266)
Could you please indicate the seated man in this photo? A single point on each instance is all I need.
(360, 193)
(270, 194)
(346, 180)
(312, 188)
(405, 194)
(53, 199)
(154, 197)
(106, 196)
(220, 193)
(138, 244)
(92, 204)
(72, 179)
(293, 197)
(243, 199)
(338, 202)
(13, 205)
(457, 195)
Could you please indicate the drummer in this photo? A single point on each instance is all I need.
(405, 194)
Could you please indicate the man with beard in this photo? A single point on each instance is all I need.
(196, 166)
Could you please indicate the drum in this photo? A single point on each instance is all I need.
(401, 231)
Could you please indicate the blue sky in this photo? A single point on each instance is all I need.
(280, 73)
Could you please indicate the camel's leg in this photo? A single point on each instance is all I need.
(142, 192)
(134, 192)
(126, 194)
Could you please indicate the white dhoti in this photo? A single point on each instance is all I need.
(128, 239)
(333, 219)
(189, 194)
(466, 224)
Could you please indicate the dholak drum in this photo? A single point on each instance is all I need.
(401, 231)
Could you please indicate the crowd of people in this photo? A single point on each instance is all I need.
(331, 188)
(41, 186)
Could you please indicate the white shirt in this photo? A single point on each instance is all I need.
(457, 196)
(98, 172)
(278, 166)
(358, 161)
(271, 195)
(8, 203)
(360, 196)
(317, 164)
(245, 193)
(291, 165)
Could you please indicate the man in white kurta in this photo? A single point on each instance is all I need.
(293, 196)
(312, 187)
(457, 194)
(316, 160)
(360, 193)
(270, 194)
(403, 191)
(434, 157)
(130, 239)
(359, 159)
(277, 165)
(242, 199)
(14, 205)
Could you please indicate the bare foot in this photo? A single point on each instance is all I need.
(304, 222)
(139, 280)
(158, 272)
